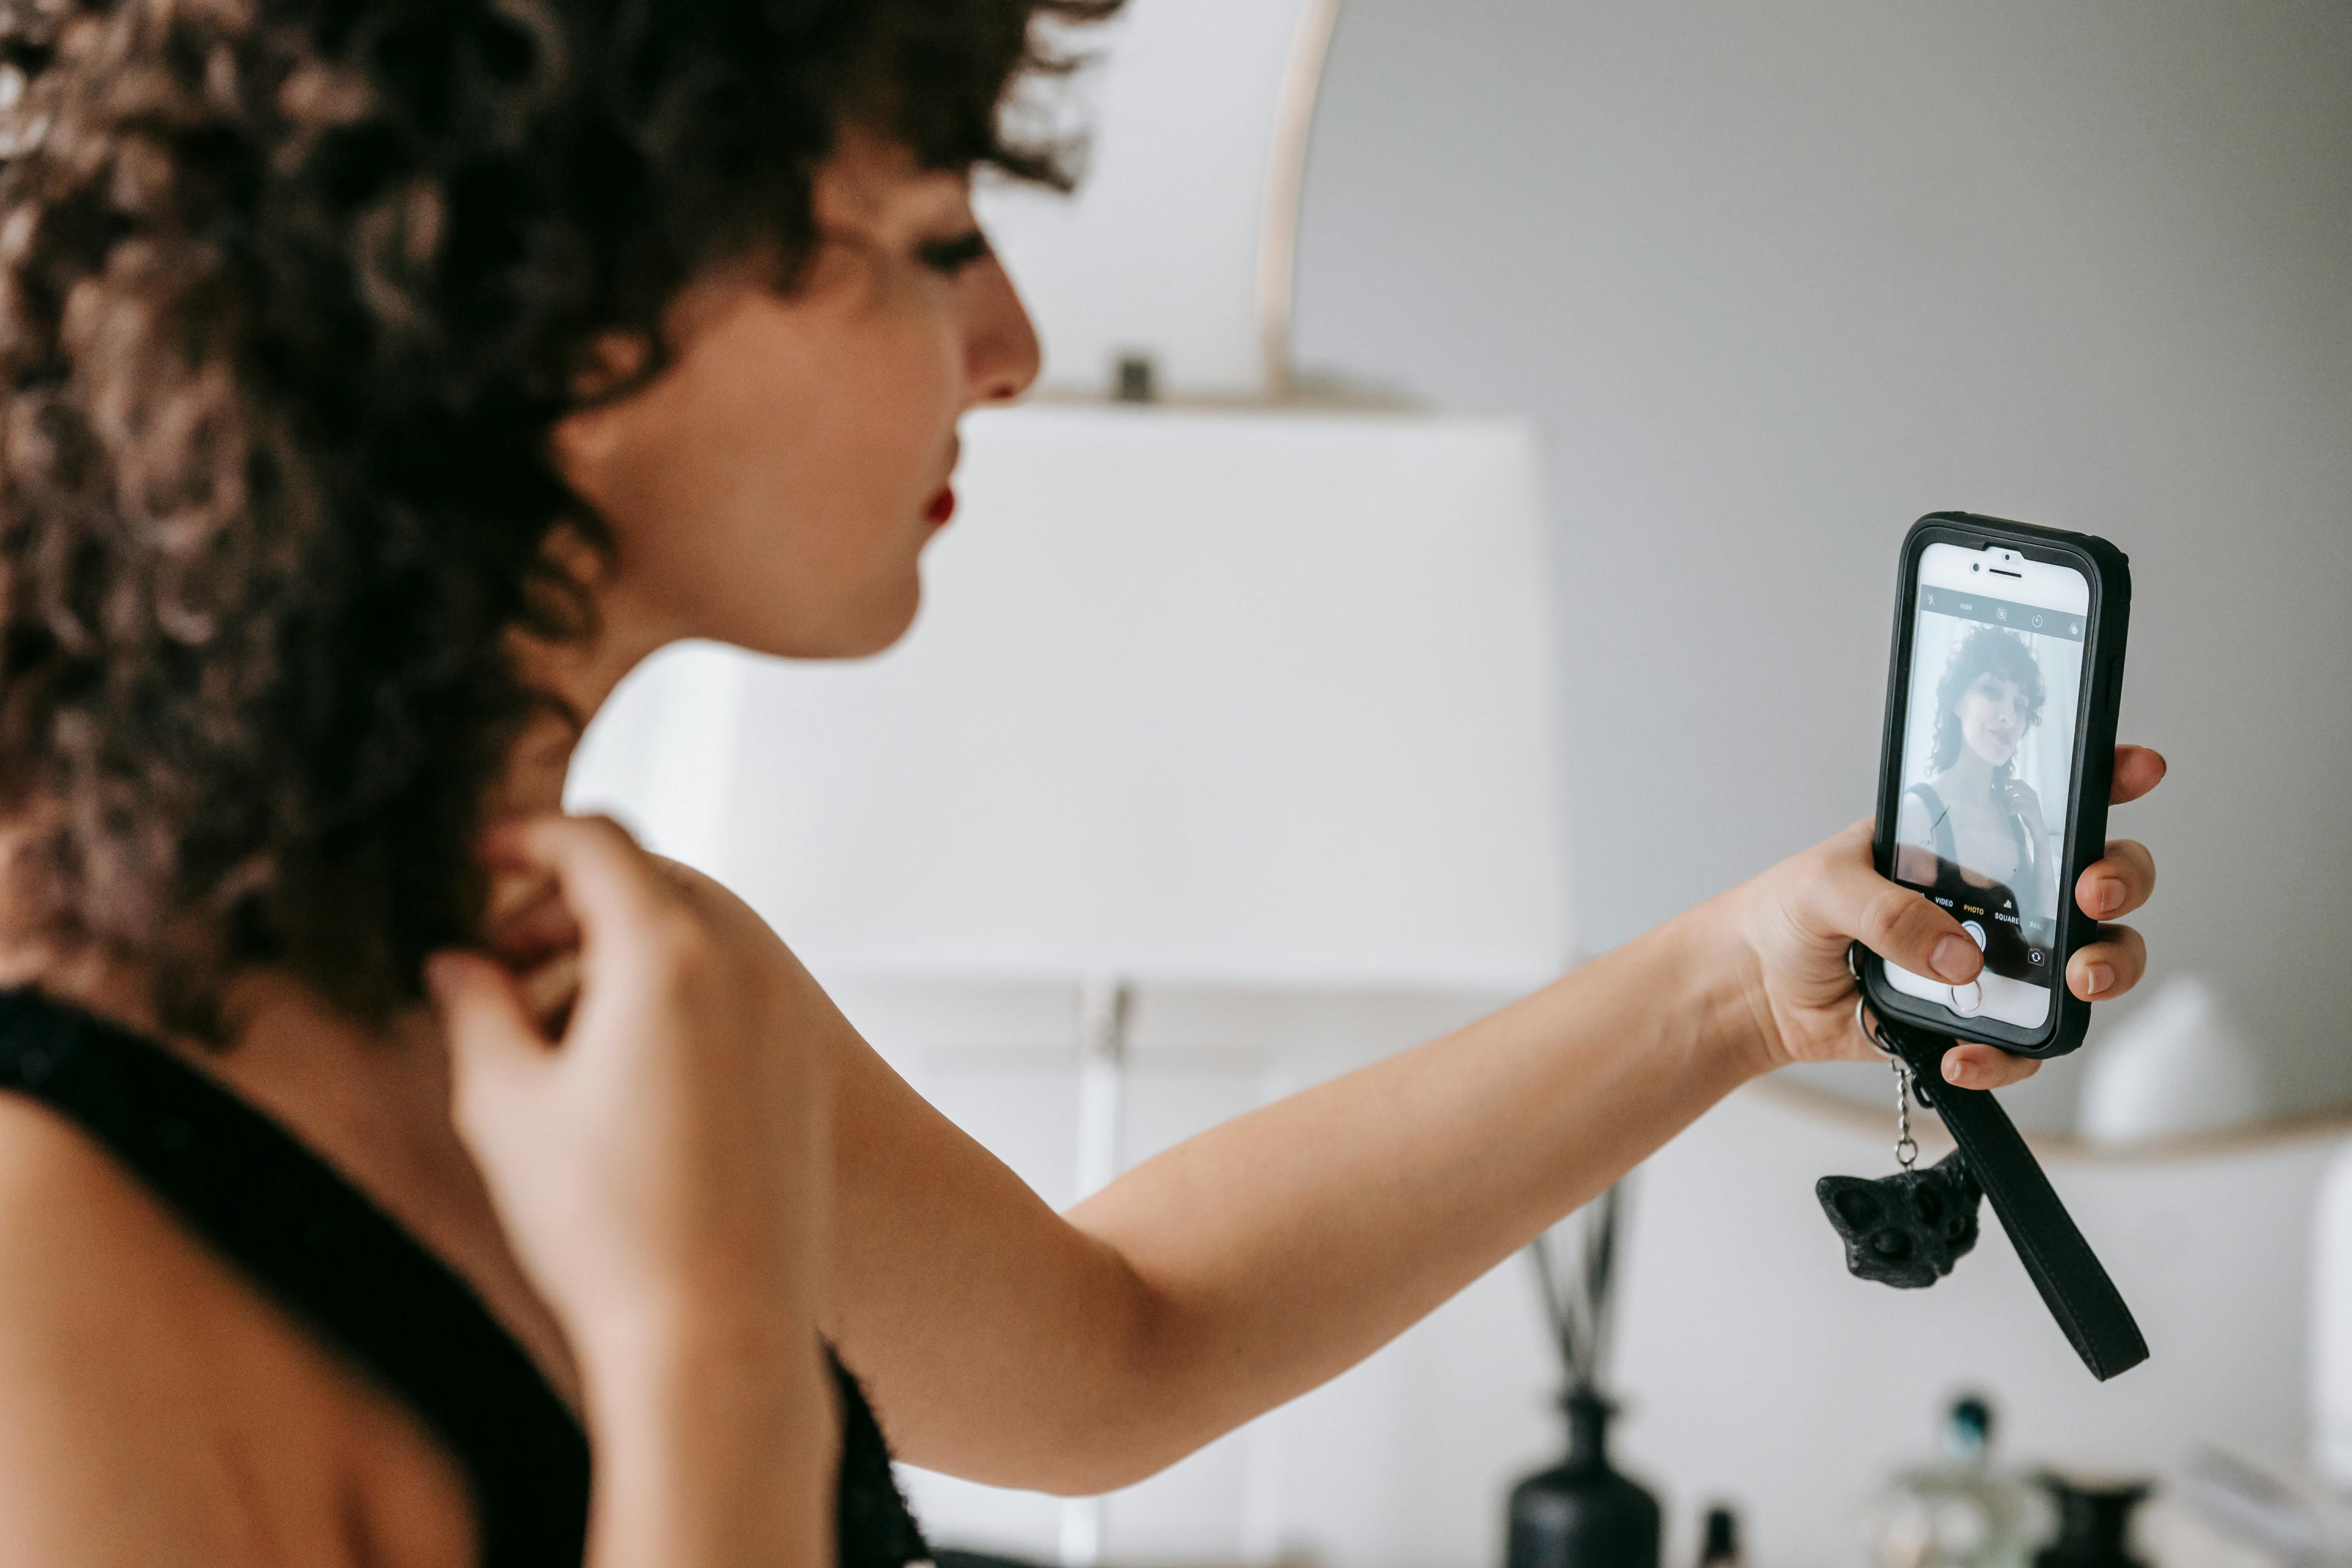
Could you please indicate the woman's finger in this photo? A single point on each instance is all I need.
(609, 885)
(2139, 769)
(529, 934)
(549, 990)
(1986, 1067)
(1900, 926)
(493, 1045)
(2119, 883)
(514, 887)
(2102, 970)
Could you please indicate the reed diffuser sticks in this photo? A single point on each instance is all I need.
(1577, 1301)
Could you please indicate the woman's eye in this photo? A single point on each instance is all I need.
(950, 255)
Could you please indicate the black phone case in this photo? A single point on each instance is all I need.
(2110, 573)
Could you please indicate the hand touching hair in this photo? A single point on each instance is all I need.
(292, 293)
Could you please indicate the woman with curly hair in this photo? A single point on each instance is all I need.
(394, 1171)
(1972, 820)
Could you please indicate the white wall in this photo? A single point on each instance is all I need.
(1775, 279)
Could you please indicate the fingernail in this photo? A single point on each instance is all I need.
(1957, 1073)
(1955, 959)
(2097, 978)
(2111, 895)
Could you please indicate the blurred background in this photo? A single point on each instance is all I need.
(1666, 319)
(1770, 282)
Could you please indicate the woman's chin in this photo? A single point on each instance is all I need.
(857, 631)
(888, 622)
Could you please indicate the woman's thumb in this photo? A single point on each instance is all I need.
(482, 1015)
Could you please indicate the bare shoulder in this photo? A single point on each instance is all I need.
(160, 1410)
(1912, 822)
(84, 1253)
(105, 1442)
(81, 1243)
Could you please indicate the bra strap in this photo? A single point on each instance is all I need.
(1939, 819)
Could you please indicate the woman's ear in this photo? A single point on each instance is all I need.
(613, 360)
(585, 442)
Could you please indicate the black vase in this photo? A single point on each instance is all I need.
(1581, 1514)
(2093, 1523)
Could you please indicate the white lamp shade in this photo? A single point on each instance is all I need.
(1224, 697)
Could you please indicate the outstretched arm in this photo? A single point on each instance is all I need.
(1235, 1271)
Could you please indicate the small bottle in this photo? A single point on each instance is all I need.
(1583, 1513)
(1721, 1548)
(1960, 1511)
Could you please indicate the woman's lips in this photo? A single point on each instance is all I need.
(942, 505)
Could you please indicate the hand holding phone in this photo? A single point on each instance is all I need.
(1997, 768)
(1800, 918)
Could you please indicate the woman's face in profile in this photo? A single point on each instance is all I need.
(775, 485)
(1992, 718)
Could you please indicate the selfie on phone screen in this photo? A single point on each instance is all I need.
(1988, 767)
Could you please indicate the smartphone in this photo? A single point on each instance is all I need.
(1997, 763)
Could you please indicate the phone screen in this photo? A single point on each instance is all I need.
(1989, 745)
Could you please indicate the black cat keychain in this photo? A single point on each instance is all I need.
(1908, 1229)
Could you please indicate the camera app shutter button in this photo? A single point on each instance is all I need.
(1976, 934)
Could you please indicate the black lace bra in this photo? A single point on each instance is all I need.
(321, 1248)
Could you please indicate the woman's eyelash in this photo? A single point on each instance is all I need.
(951, 256)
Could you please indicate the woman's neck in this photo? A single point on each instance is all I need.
(1969, 776)
(579, 676)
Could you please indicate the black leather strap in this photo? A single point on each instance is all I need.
(2066, 1271)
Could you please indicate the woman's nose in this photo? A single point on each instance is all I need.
(1002, 356)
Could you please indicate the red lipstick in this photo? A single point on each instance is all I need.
(942, 505)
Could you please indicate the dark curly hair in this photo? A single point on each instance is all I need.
(1988, 650)
(291, 295)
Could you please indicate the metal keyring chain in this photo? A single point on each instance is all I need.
(1907, 1148)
